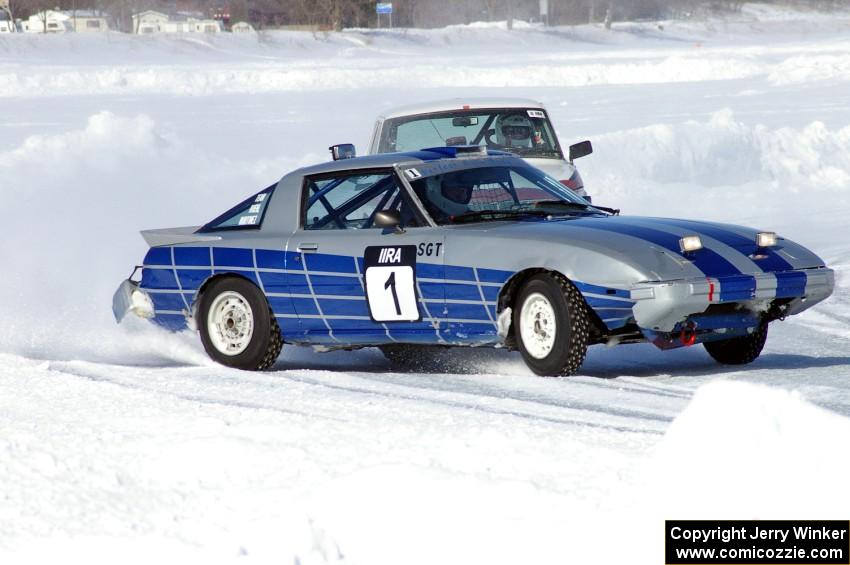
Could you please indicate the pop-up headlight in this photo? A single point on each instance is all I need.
(690, 243)
(765, 239)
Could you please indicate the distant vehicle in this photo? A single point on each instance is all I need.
(242, 27)
(6, 26)
(516, 125)
(458, 246)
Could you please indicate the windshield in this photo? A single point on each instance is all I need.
(495, 193)
(526, 132)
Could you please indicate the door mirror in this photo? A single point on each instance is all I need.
(388, 219)
(580, 149)
(343, 151)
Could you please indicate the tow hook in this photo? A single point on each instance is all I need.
(688, 337)
(777, 312)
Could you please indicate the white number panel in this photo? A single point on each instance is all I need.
(391, 283)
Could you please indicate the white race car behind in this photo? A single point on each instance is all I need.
(516, 125)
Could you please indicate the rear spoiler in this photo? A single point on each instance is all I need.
(173, 236)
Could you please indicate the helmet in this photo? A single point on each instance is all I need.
(448, 194)
(514, 130)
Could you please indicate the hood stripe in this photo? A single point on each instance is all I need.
(773, 261)
(741, 261)
(706, 260)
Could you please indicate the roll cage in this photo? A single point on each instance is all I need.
(402, 199)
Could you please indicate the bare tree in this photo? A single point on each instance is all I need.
(38, 8)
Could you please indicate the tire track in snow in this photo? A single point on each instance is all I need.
(467, 400)
(78, 372)
(478, 393)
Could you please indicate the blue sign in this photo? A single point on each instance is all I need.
(384, 8)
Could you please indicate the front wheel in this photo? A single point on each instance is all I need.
(738, 350)
(237, 327)
(551, 325)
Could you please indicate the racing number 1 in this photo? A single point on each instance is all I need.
(391, 283)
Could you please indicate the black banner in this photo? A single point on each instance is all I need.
(762, 542)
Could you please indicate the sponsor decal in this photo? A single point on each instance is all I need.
(429, 249)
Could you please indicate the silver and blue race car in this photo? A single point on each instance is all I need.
(461, 246)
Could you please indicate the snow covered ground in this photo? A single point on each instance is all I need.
(126, 443)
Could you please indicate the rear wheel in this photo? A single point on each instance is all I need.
(551, 325)
(738, 350)
(237, 327)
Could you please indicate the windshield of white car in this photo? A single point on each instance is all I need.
(524, 131)
(497, 192)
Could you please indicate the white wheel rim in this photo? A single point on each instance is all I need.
(537, 323)
(230, 323)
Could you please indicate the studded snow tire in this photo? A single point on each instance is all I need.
(265, 343)
(551, 325)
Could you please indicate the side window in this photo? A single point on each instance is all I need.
(247, 214)
(351, 201)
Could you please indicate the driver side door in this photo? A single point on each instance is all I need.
(353, 283)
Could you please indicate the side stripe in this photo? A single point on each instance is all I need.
(737, 288)
(458, 303)
(179, 286)
(316, 300)
(791, 284)
(484, 298)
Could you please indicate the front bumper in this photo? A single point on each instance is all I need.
(661, 306)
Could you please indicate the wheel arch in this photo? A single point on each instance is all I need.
(196, 300)
(510, 290)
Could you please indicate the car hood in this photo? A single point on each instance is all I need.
(650, 246)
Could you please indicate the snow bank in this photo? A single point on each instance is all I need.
(249, 77)
(809, 68)
(737, 451)
(282, 61)
(743, 451)
(725, 165)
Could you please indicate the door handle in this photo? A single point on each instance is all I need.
(305, 247)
